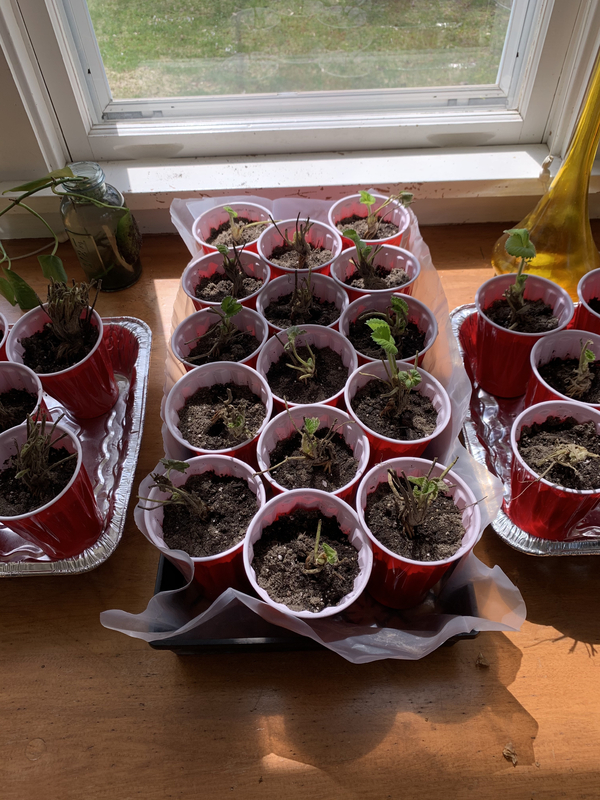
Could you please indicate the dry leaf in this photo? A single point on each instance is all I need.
(510, 754)
(482, 662)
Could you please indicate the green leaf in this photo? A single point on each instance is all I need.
(352, 234)
(233, 214)
(230, 306)
(6, 291)
(519, 244)
(222, 249)
(65, 172)
(589, 355)
(399, 306)
(410, 378)
(332, 556)
(366, 198)
(52, 267)
(24, 294)
(311, 425)
(382, 335)
(406, 198)
(172, 464)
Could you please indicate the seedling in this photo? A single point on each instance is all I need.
(70, 313)
(236, 229)
(298, 242)
(581, 382)
(178, 495)
(227, 333)
(234, 418)
(321, 556)
(302, 297)
(520, 246)
(414, 496)
(307, 367)
(396, 316)
(234, 271)
(374, 216)
(566, 455)
(399, 382)
(364, 262)
(32, 460)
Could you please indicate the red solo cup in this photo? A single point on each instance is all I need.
(317, 337)
(418, 314)
(585, 318)
(4, 327)
(211, 264)
(564, 345)
(320, 235)
(223, 570)
(67, 525)
(400, 582)
(213, 218)
(284, 425)
(537, 506)
(351, 206)
(208, 375)
(384, 447)
(323, 288)
(199, 322)
(330, 506)
(18, 376)
(502, 366)
(389, 258)
(87, 389)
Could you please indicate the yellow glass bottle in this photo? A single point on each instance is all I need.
(559, 225)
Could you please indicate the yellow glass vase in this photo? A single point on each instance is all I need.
(559, 226)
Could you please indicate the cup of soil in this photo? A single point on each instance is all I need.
(426, 417)
(278, 305)
(349, 212)
(251, 332)
(210, 530)
(420, 334)
(3, 337)
(83, 381)
(324, 242)
(409, 561)
(334, 358)
(502, 365)
(205, 283)
(555, 471)
(213, 227)
(21, 393)
(561, 372)
(279, 551)
(59, 512)
(219, 408)
(331, 458)
(395, 270)
(587, 313)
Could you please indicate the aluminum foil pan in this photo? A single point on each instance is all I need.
(111, 444)
(487, 437)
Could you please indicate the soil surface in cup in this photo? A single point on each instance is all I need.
(303, 473)
(560, 372)
(416, 422)
(321, 312)
(16, 497)
(222, 234)
(536, 316)
(44, 351)
(231, 504)
(408, 344)
(594, 304)
(552, 450)
(210, 421)
(215, 288)
(280, 562)
(14, 407)
(284, 256)
(438, 537)
(240, 346)
(330, 377)
(392, 279)
(385, 229)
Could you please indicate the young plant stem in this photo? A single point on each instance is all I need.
(582, 381)
(413, 497)
(227, 333)
(178, 495)
(298, 243)
(306, 367)
(320, 557)
(32, 458)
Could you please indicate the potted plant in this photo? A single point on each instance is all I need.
(421, 519)
(21, 395)
(587, 313)
(299, 245)
(208, 279)
(315, 533)
(238, 224)
(376, 218)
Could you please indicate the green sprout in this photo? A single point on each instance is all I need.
(178, 495)
(298, 241)
(321, 556)
(364, 262)
(227, 332)
(396, 316)
(520, 246)
(399, 382)
(307, 367)
(581, 382)
(374, 216)
(32, 459)
(236, 229)
(234, 419)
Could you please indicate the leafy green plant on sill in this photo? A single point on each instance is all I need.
(320, 556)
(227, 332)
(298, 241)
(178, 495)
(413, 497)
(374, 215)
(399, 382)
(365, 261)
(518, 245)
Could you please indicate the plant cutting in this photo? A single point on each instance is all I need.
(208, 279)
(299, 244)
(317, 300)
(238, 224)
(587, 313)
(21, 395)
(388, 271)
(377, 219)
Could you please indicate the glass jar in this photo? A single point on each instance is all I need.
(103, 232)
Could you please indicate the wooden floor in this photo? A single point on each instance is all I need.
(89, 713)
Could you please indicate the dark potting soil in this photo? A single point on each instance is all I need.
(360, 336)
(437, 538)
(594, 304)
(559, 371)
(331, 376)
(14, 407)
(321, 312)
(392, 279)
(17, 498)
(200, 426)
(238, 348)
(222, 234)
(41, 349)
(280, 556)
(217, 288)
(539, 444)
(536, 317)
(359, 224)
(284, 256)
(302, 474)
(232, 505)
(419, 419)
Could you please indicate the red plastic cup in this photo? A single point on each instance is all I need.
(330, 506)
(216, 216)
(537, 506)
(320, 235)
(4, 326)
(67, 525)
(205, 266)
(401, 582)
(351, 206)
(246, 320)
(223, 570)
(384, 447)
(502, 366)
(87, 389)
(317, 337)
(18, 376)
(418, 314)
(585, 318)
(389, 258)
(284, 425)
